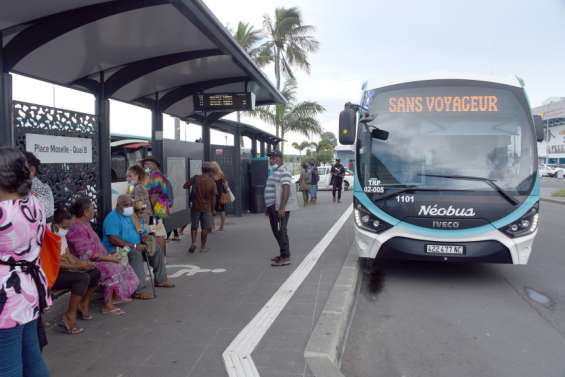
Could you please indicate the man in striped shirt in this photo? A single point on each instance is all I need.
(276, 206)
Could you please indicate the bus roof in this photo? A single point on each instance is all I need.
(510, 81)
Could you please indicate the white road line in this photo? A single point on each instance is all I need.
(237, 357)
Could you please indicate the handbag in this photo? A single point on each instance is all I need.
(225, 198)
(230, 193)
(50, 256)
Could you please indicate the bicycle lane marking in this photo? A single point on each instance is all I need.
(237, 357)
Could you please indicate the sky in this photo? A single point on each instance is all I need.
(389, 41)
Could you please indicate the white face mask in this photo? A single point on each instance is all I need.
(147, 170)
(133, 182)
(62, 233)
(128, 211)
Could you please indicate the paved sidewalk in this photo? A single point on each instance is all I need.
(547, 195)
(185, 330)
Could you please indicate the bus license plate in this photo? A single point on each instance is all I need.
(445, 249)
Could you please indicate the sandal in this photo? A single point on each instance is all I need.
(166, 284)
(70, 330)
(84, 317)
(142, 296)
(115, 311)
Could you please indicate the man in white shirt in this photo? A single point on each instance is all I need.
(279, 202)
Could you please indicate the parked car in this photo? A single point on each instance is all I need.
(546, 170)
(551, 171)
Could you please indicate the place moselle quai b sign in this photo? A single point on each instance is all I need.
(224, 102)
(60, 149)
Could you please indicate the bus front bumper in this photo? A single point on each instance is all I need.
(492, 247)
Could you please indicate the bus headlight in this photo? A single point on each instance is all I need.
(367, 221)
(524, 226)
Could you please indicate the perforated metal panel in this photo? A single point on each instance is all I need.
(67, 181)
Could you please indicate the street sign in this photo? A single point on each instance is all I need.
(224, 102)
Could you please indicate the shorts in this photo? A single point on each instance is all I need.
(313, 191)
(202, 218)
(159, 229)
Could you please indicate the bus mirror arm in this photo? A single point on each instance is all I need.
(539, 127)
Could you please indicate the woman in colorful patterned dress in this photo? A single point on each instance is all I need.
(119, 281)
(23, 286)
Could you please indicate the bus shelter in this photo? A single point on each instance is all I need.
(158, 54)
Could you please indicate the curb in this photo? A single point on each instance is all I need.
(554, 201)
(325, 347)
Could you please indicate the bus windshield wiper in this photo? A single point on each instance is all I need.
(489, 182)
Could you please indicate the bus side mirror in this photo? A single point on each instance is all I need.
(379, 134)
(539, 126)
(347, 123)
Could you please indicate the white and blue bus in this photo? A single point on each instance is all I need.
(446, 170)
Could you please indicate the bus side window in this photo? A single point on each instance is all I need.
(119, 168)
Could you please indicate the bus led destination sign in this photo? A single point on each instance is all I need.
(224, 102)
(442, 104)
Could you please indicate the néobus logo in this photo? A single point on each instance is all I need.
(434, 210)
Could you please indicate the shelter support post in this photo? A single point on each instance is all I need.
(262, 148)
(104, 150)
(157, 140)
(269, 148)
(237, 189)
(177, 128)
(206, 140)
(253, 147)
(6, 124)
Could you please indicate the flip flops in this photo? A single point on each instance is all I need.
(115, 311)
(84, 317)
(75, 330)
(142, 296)
(166, 284)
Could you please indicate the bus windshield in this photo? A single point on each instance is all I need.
(447, 138)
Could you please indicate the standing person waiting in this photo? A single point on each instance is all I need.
(314, 182)
(279, 201)
(23, 286)
(338, 172)
(81, 277)
(202, 198)
(222, 189)
(40, 190)
(161, 195)
(304, 182)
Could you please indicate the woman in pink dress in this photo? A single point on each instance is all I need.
(119, 281)
(23, 286)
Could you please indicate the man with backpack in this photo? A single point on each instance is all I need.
(315, 178)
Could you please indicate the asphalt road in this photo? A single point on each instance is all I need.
(450, 320)
(553, 183)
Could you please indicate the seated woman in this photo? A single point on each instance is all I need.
(119, 281)
(81, 277)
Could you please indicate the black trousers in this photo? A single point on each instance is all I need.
(337, 186)
(77, 281)
(279, 228)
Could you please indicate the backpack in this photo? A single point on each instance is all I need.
(315, 176)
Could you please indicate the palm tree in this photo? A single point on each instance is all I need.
(289, 42)
(292, 117)
(300, 147)
(249, 38)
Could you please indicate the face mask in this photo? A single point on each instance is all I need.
(62, 233)
(128, 211)
(147, 170)
(133, 182)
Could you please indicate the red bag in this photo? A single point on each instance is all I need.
(50, 256)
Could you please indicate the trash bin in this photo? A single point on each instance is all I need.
(257, 200)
